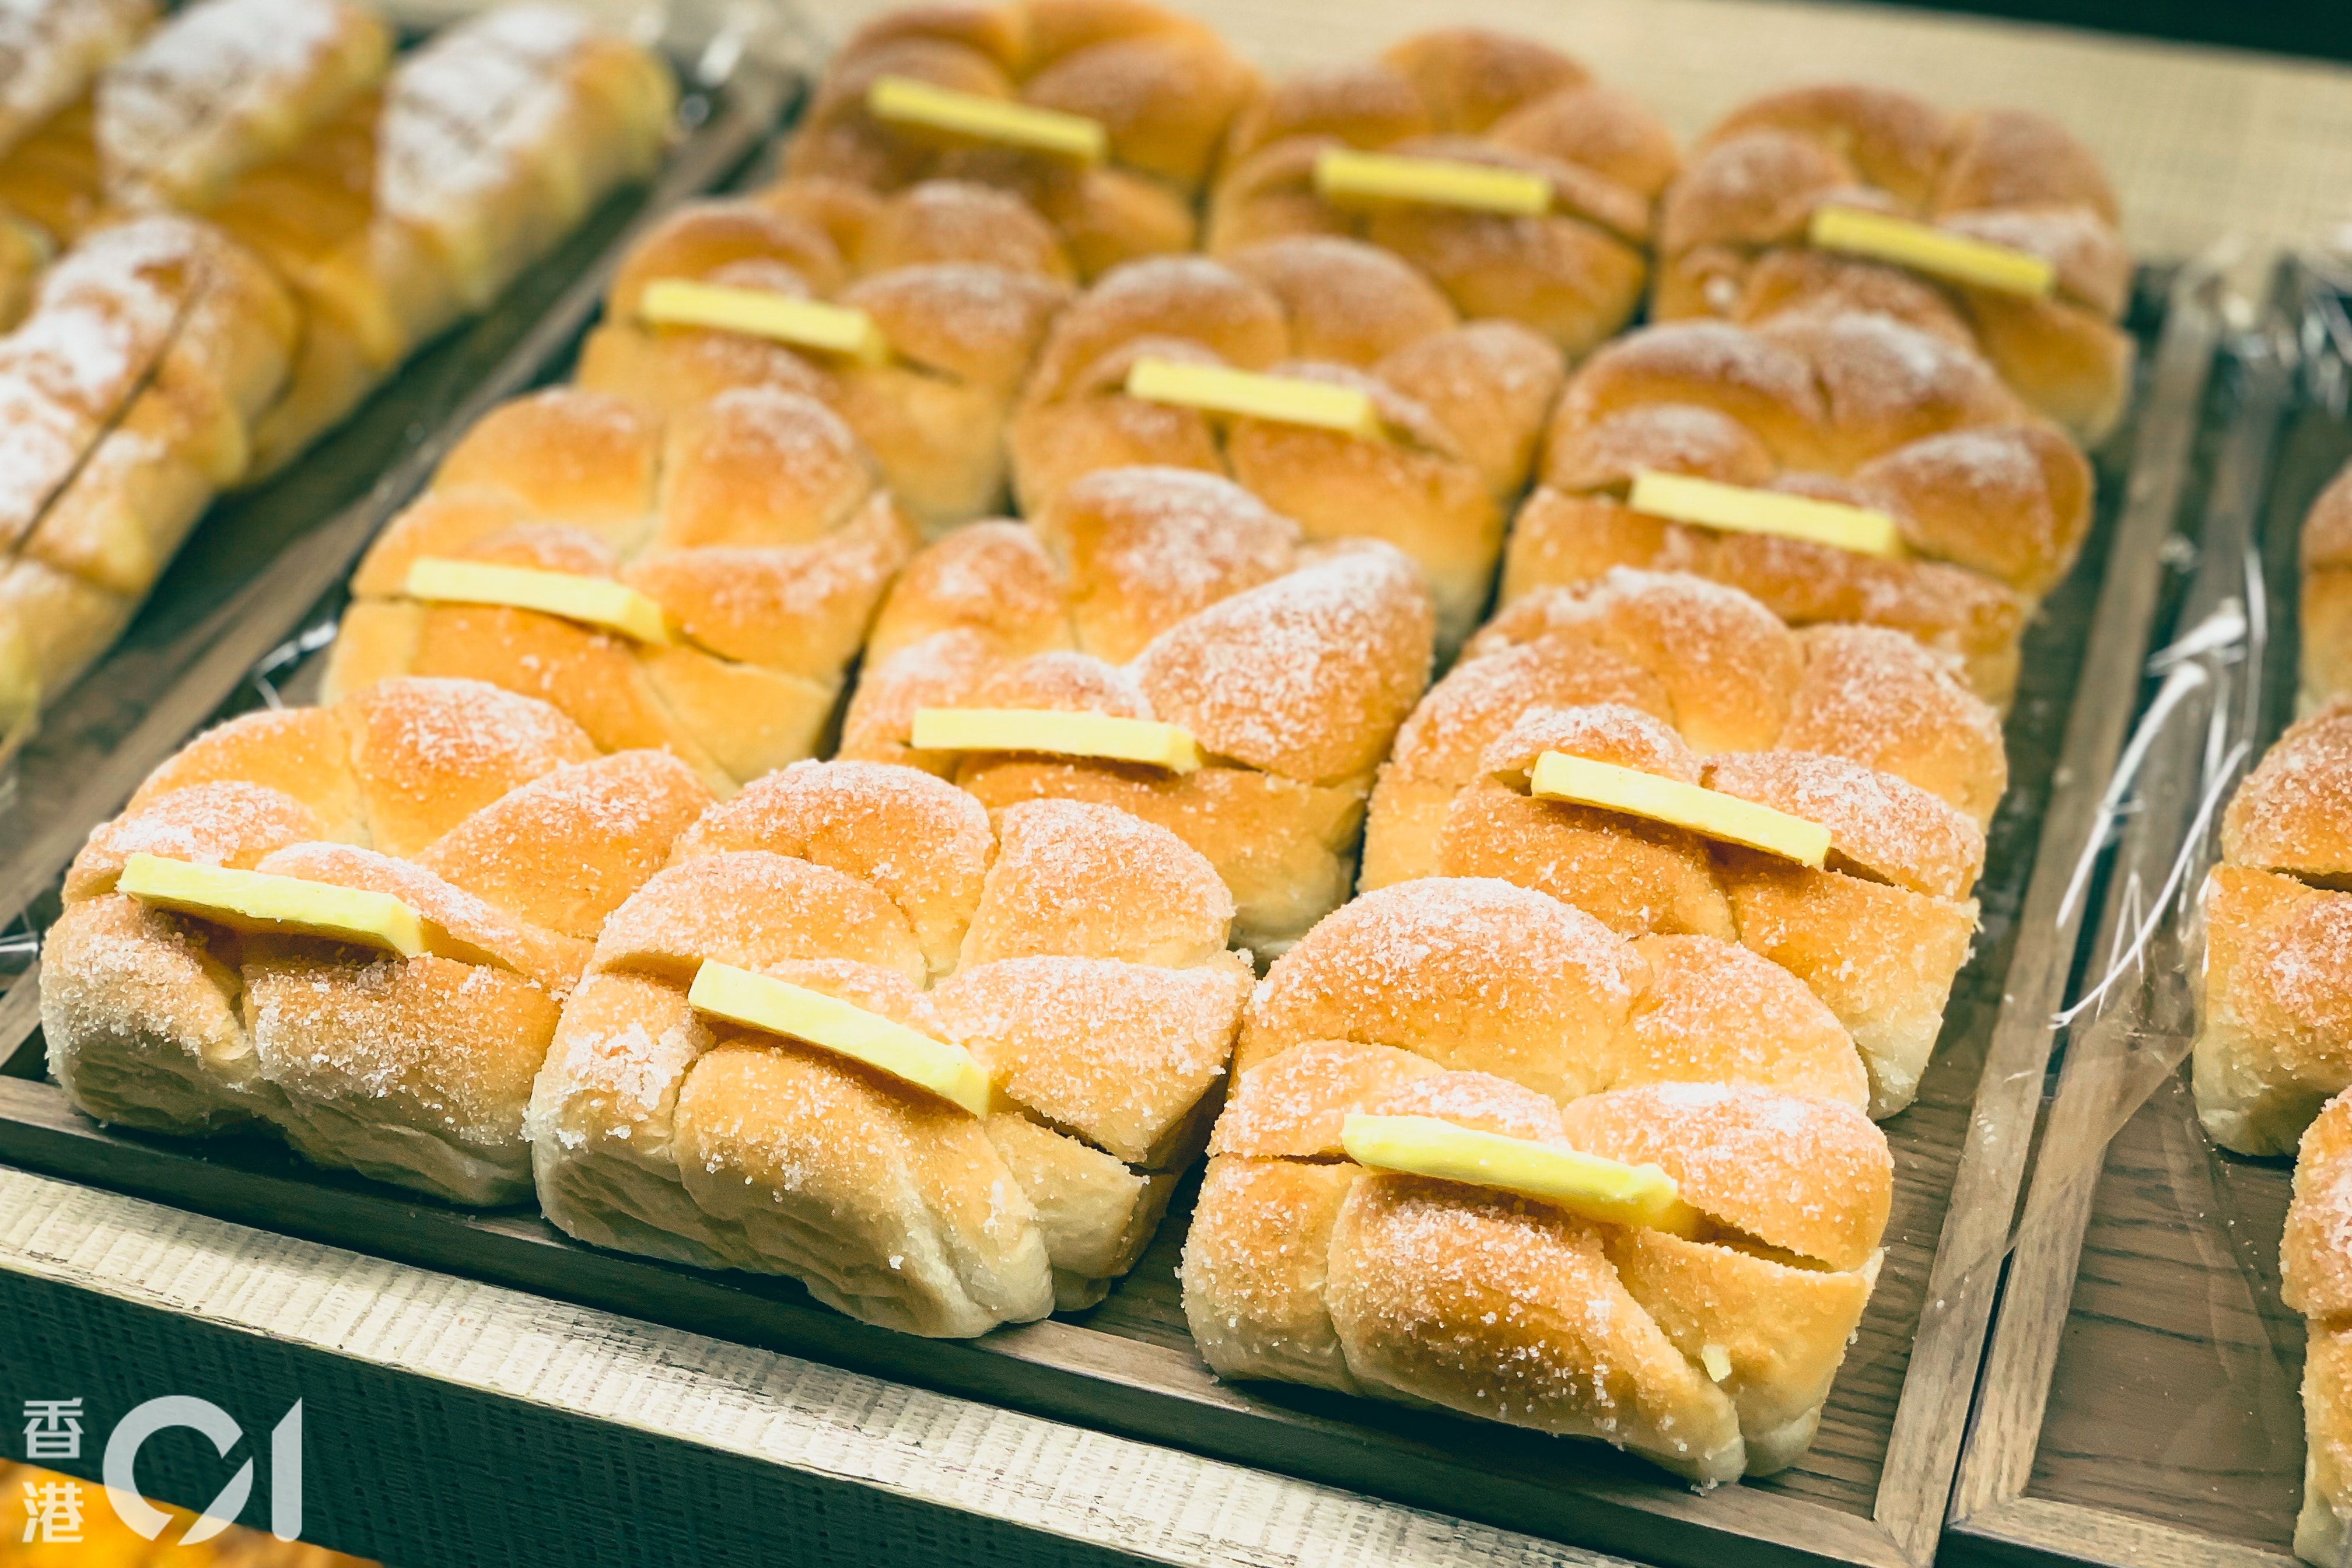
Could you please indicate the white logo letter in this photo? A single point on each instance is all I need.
(179, 1410)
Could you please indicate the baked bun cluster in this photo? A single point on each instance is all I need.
(2272, 1042)
(754, 523)
(1076, 953)
(491, 817)
(1843, 405)
(1574, 272)
(1733, 234)
(1171, 595)
(1162, 87)
(2326, 618)
(1459, 404)
(960, 279)
(1855, 728)
(1491, 1008)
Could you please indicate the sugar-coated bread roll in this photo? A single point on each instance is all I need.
(1162, 85)
(1574, 274)
(754, 521)
(960, 280)
(1848, 407)
(489, 815)
(1499, 1010)
(2274, 1013)
(50, 53)
(1077, 952)
(2326, 620)
(1176, 596)
(1460, 404)
(1733, 237)
(2316, 1280)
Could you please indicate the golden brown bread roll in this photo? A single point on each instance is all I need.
(1574, 274)
(1162, 592)
(1500, 1010)
(961, 280)
(1846, 406)
(1162, 85)
(490, 813)
(2316, 1280)
(2326, 620)
(755, 521)
(2274, 1007)
(1077, 952)
(1461, 405)
(53, 50)
(1733, 234)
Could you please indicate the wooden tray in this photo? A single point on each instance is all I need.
(2141, 1389)
(1873, 1489)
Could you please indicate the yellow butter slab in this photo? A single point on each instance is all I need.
(1923, 248)
(780, 1007)
(257, 901)
(1709, 812)
(1247, 395)
(1738, 509)
(1607, 1190)
(903, 101)
(594, 601)
(765, 313)
(1056, 733)
(1344, 175)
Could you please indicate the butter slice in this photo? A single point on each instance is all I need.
(1709, 812)
(1056, 733)
(1738, 509)
(780, 1007)
(257, 901)
(1286, 399)
(765, 313)
(594, 601)
(1923, 248)
(1344, 175)
(904, 101)
(1607, 1190)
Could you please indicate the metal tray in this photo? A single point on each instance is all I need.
(2141, 1399)
(1874, 1489)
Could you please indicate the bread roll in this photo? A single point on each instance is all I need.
(1077, 952)
(2326, 620)
(1573, 275)
(1461, 403)
(1733, 234)
(1162, 85)
(1844, 406)
(961, 279)
(53, 49)
(490, 813)
(754, 521)
(2316, 1280)
(1158, 593)
(1501, 1010)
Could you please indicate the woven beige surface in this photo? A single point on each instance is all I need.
(2202, 143)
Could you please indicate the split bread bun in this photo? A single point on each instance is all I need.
(1169, 596)
(2326, 619)
(1854, 728)
(1162, 85)
(1574, 273)
(754, 524)
(1074, 953)
(490, 816)
(1459, 406)
(1991, 503)
(2316, 1280)
(2274, 995)
(960, 279)
(129, 395)
(1708, 1349)
(51, 51)
(1734, 234)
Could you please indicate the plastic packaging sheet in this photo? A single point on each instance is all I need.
(2144, 1259)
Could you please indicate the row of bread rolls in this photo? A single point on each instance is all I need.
(1202, 152)
(352, 208)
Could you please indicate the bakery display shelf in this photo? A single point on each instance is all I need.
(239, 595)
(2140, 1401)
(1873, 1487)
